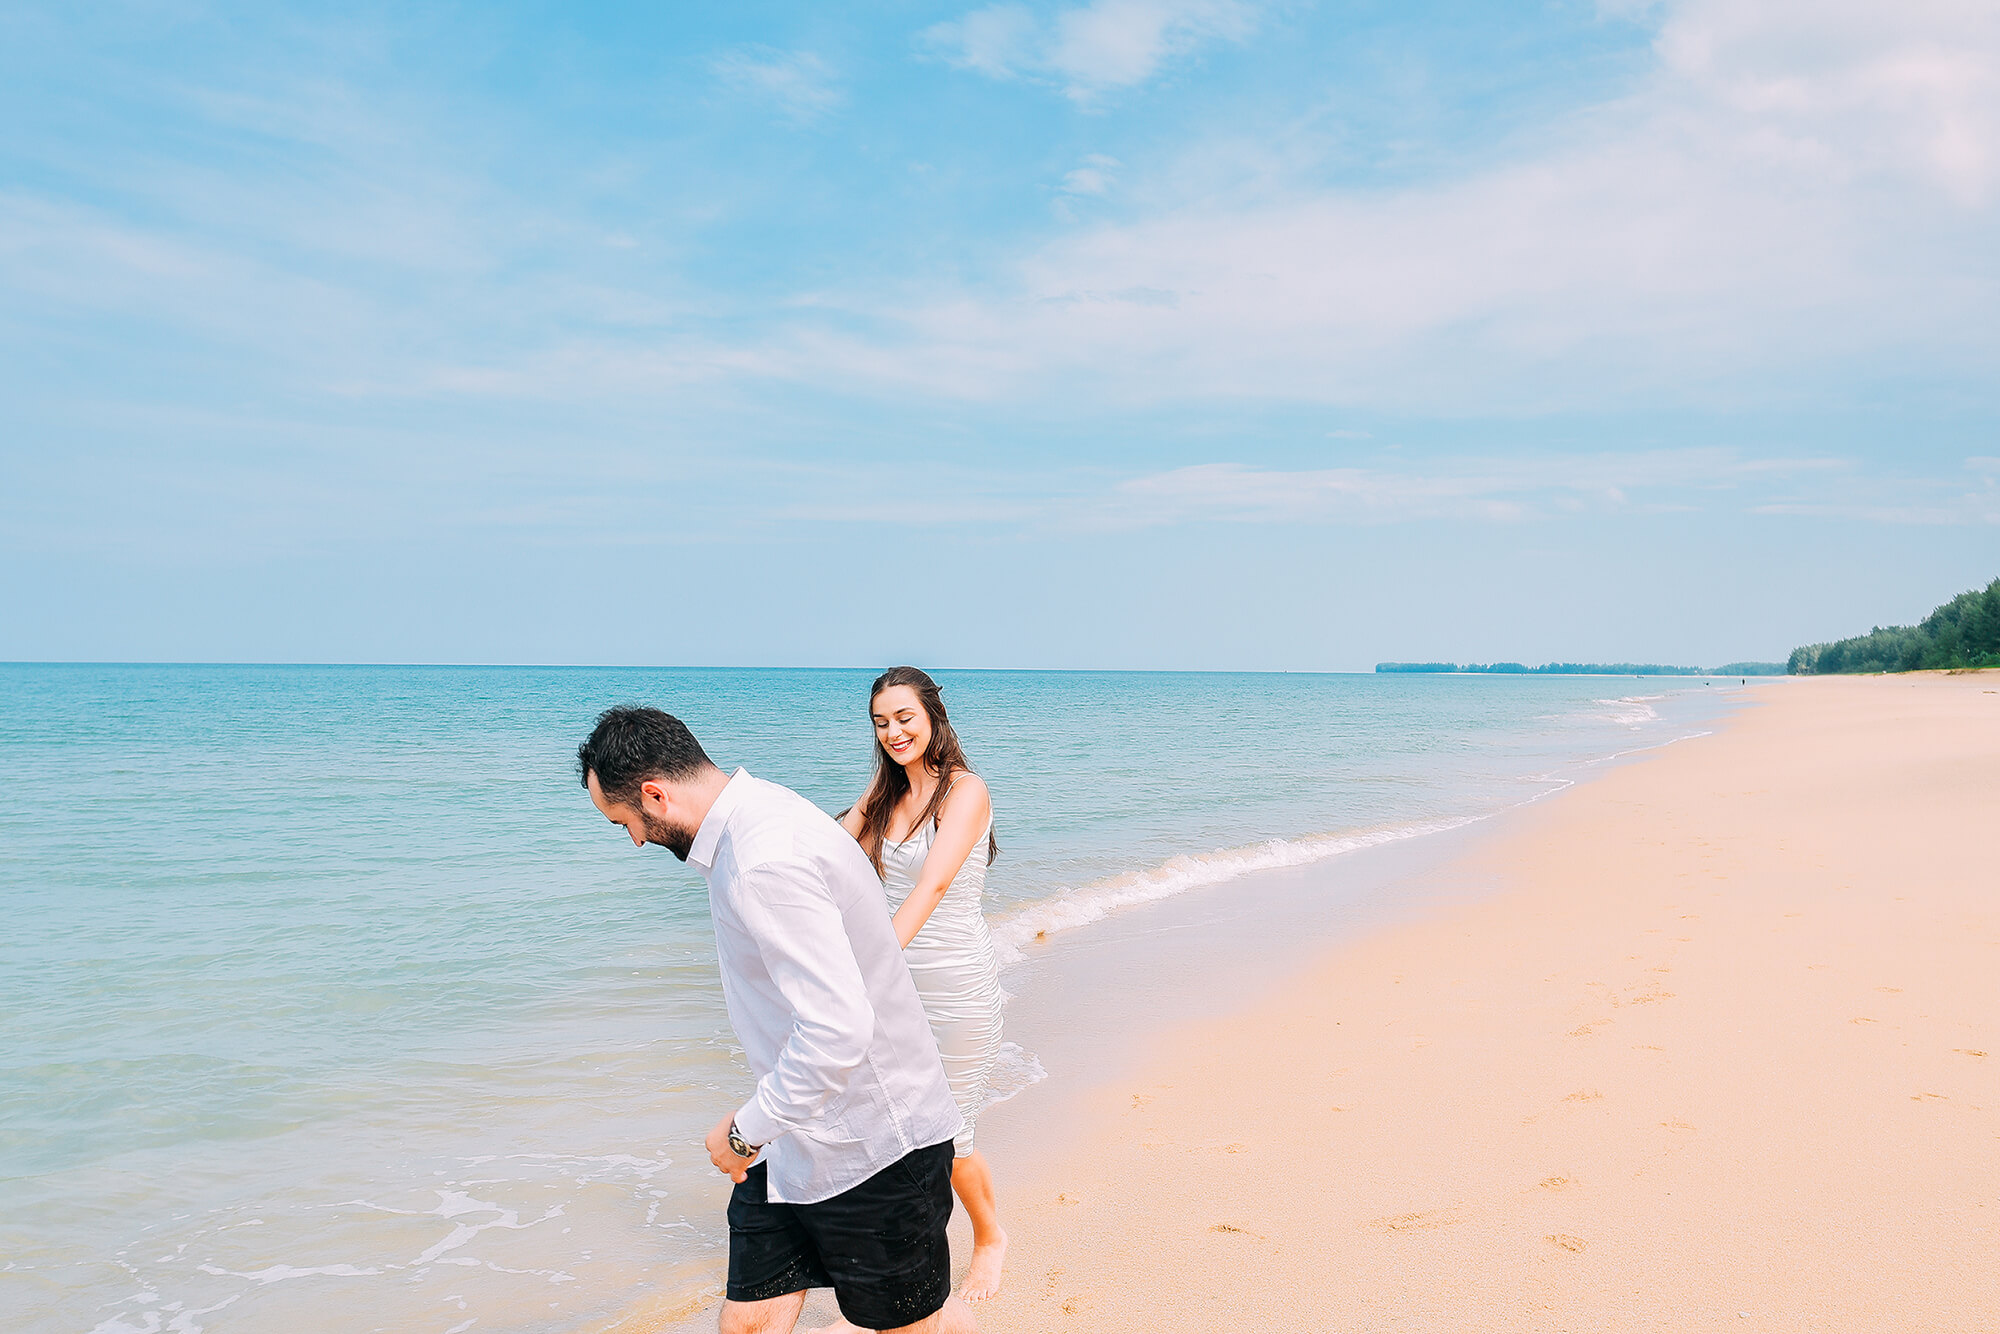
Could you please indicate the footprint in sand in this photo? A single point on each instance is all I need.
(1239, 1231)
(1967, 1051)
(1584, 1095)
(1417, 1222)
(1567, 1242)
(1554, 1183)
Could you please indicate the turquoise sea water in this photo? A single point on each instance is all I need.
(330, 1003)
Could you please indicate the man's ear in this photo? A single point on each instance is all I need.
(653, 790)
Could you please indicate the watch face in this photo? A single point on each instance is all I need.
(738, 1144)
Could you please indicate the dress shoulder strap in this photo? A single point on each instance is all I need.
(937, 820)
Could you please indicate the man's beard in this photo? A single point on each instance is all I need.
(677, 839)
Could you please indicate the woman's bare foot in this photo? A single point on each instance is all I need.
(982, 1280)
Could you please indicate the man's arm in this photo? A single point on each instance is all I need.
(791, 915)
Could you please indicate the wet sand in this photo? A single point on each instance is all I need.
(1711, 1042)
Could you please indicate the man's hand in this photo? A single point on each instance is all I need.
(726, 1159)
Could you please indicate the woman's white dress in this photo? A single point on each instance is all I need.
(955, 967)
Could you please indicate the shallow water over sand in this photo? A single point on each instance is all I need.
(332, 1004)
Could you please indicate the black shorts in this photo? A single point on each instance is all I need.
(880, 1245)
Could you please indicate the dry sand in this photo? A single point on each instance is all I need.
(1723, 1053)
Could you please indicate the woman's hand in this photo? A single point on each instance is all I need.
(850, 819)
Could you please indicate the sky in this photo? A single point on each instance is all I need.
(1180, 334)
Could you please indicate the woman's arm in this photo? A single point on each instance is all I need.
(967, 807)
(850, 819)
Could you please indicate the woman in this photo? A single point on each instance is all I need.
(926, 822)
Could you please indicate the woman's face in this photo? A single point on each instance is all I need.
(901, 725)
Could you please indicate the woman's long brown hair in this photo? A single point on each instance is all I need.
(943, 757)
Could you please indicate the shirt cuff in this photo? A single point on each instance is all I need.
(756, 1125)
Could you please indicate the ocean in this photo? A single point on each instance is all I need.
(330, 1003)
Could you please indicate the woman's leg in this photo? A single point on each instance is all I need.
(973, 1180)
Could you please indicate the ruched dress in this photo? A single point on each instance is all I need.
(955, 968)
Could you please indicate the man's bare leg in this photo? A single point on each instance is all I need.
(776, 1316)
(973, 1180)
(955, 1318)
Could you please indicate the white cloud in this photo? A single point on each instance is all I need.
(1485, 490)
(1088, 49)
(1092, 178)
(1851, 86)
(1943, 514)
(1798, 187)
(798, 84)
(1492, 489)
(998, 41)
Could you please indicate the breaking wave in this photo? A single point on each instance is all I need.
(1070, 908)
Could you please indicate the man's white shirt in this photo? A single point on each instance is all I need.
(848, 1075)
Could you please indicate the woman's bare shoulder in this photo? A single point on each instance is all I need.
(967, 787)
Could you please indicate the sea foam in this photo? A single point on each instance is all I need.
(1084, 904)
(1633, 711)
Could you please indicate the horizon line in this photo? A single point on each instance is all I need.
(787, 667)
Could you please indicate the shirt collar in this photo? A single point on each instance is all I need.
(702, 853)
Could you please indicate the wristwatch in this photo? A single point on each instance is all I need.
(739, 1146)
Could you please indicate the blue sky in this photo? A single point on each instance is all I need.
(1129, 333)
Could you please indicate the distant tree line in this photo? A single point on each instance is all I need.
(1587, 668)
(1964, 632)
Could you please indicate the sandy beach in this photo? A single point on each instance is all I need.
(1711, 1042)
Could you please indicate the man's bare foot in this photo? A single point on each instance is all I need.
(982, 1280)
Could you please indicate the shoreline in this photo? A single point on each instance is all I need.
(1704, 1043)
(1092, 1003)
(312, 1157)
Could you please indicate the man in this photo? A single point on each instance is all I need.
(842, 1157)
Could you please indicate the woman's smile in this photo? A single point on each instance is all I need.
(901, 724)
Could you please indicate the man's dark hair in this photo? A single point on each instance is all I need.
(631, 744)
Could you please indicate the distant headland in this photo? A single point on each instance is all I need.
(1587, 668)
(1963, 633)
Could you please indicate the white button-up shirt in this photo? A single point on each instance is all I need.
(848, 1075)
